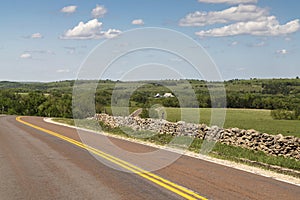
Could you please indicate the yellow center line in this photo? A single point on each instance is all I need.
(173, 187)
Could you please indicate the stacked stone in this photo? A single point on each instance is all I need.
(279, 145)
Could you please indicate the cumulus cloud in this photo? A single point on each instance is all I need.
(241, 19)
(69, 9)
(138, 22)
(83, 30)
(99, 11)
(25, 56)
(265, 26)
(282, 51)
(237, 13)
(36, 36)
(90, 30)
(228, 1)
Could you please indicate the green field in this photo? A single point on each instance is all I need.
(259, 120)
(256, 119)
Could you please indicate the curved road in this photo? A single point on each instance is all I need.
(46, 161)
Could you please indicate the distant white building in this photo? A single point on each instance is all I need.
(157, 95)
(167, 95)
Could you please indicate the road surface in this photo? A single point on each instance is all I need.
(39, 160)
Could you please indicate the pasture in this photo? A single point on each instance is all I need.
(257, 119)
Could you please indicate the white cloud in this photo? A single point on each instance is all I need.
(25, 55)
(111, 33)
(238, 13)
(138, 22)
(259, 44)
(282, 51)
(90, 30)
(245, 19)
(234, 43)
(99, 11)
(228, 1)
(265, 26)
(69, 9)
(49, 52)
(36, 35)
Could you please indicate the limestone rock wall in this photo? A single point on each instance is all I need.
(288, 146)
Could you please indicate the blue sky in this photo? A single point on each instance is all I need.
(48, 40)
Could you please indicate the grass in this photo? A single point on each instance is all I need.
(243, 155)
(256, 158)
(65, 121)
(259, 120)
(221, 151)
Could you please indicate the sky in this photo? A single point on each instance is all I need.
(50, 40)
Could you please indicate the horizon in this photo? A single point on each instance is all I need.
(128, 81)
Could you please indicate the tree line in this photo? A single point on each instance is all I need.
(282, 96)
(36, 104)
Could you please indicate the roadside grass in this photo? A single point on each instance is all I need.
(67, 121)
(238, 154)
(222, 151)
(247, 156)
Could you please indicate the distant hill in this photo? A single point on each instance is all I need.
(271, 94)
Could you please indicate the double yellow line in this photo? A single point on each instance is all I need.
(173, 187)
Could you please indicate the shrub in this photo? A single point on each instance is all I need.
(283, 114)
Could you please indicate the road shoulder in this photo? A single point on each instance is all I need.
(239, 166)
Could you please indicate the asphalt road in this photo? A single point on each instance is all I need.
(37, 164)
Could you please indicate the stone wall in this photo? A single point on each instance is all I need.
(288, 146)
